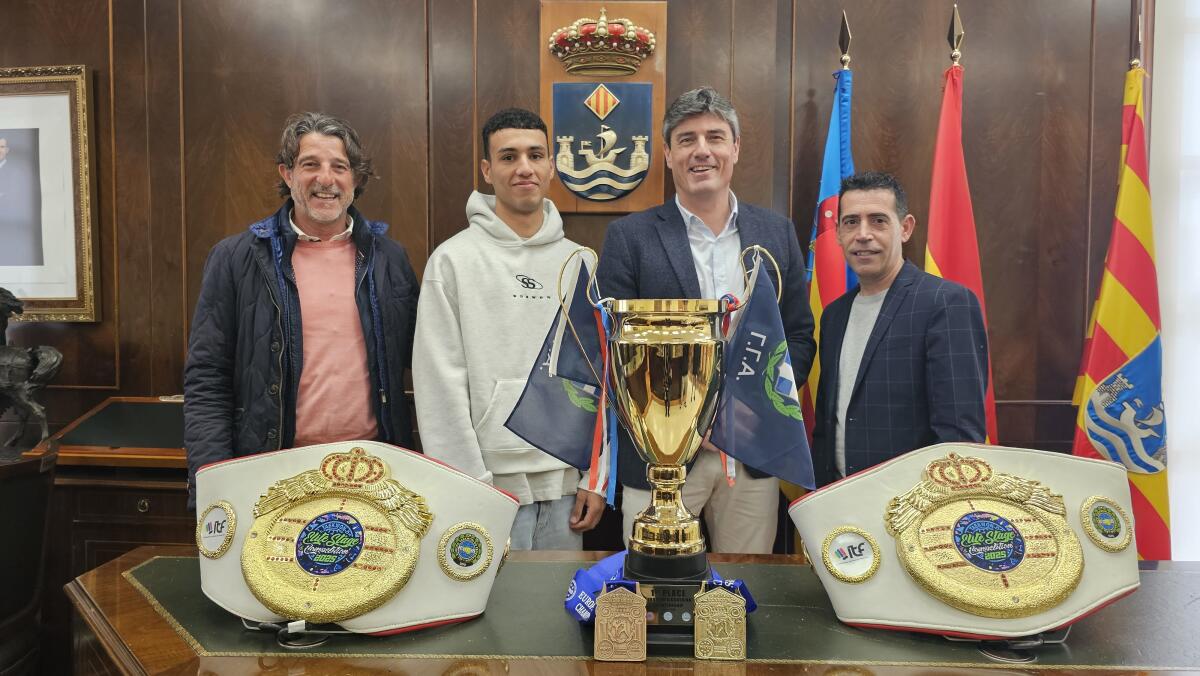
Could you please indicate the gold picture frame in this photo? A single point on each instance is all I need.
(47, 193)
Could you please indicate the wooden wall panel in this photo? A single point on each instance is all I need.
(189, 99)
(760, 89)
(131, 173)
(452, 165)
(168, 249)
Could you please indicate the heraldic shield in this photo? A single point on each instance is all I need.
(601, 136)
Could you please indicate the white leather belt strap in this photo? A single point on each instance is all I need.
(972, 540)
(393, 518)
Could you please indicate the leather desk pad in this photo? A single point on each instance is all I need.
(1152, 629)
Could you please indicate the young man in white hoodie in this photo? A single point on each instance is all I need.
(487, 300)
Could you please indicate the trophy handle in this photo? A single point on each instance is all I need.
(758, 250)
(592, 285)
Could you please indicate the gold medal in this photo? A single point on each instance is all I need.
(620, 626)
(720, 625)
(993, 545)
(333, 543)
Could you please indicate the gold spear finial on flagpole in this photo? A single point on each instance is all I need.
(844, 41)
(955, 36)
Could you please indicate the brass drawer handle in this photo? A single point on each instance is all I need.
(143, 505)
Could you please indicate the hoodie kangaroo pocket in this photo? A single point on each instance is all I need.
(491, 432)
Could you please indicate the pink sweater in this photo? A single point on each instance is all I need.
(334, 402)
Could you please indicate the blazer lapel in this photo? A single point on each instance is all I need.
(895, 296)
(673, 233)
(750, 232)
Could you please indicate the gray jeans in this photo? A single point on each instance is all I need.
(543, 525)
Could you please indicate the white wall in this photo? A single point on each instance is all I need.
(1175, 194)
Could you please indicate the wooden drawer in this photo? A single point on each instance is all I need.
(131, 503)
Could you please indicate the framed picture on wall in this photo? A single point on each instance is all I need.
(47, 193)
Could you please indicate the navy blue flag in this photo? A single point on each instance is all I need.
(576, 354)
(758, 418)
(556, 415)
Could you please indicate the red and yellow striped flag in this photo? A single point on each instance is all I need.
(952, 251)
(1119, 390)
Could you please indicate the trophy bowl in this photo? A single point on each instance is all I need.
(666, 357)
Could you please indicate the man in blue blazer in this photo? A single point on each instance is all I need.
(690, 248)
(904, 355)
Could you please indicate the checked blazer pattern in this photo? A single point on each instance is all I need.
(922, 377)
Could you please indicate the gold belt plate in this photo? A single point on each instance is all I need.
(336, 542)
(993, 545)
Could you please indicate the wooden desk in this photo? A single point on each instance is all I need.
(121, 483)
(117, 630)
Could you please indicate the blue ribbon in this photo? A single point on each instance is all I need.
(611, 433)
(608, 573)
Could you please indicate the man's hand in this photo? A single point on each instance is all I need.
(707, 445)
(589, 507)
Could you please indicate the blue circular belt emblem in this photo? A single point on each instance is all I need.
(989, 542)
(466, 549)
(1106, 521)
(329, 543)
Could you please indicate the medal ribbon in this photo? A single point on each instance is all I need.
(587, 583)
(728, 463)
(605, 432)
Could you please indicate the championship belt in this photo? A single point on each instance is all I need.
(972, 541)
(372, 537)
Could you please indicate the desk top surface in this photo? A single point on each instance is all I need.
(135, 432)
(793, 631)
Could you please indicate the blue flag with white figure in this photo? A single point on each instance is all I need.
(758, 419)
(563, 416)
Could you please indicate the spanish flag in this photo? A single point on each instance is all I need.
(952, 251)
(829, 276)
(1119, 390)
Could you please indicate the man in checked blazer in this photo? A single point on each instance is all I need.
(689, 248)
(904, 355)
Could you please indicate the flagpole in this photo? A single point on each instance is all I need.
(1136, 8)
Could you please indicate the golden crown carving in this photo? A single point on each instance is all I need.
(602, 46)
(354, 469)
(956, 472)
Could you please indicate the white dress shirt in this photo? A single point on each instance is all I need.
(716, 256)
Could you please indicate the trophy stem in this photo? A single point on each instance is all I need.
(666, 539)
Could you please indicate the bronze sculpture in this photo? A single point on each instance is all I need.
(23, 370)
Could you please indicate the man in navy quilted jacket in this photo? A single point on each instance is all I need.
(304, 325)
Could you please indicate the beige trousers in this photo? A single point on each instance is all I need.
(740, 518)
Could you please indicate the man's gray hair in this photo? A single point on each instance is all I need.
(698, 102)
(307, 123)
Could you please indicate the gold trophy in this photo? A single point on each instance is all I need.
(666, 357)
(667, 371)
(666, 375)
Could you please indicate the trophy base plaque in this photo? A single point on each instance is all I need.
(670, 585)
